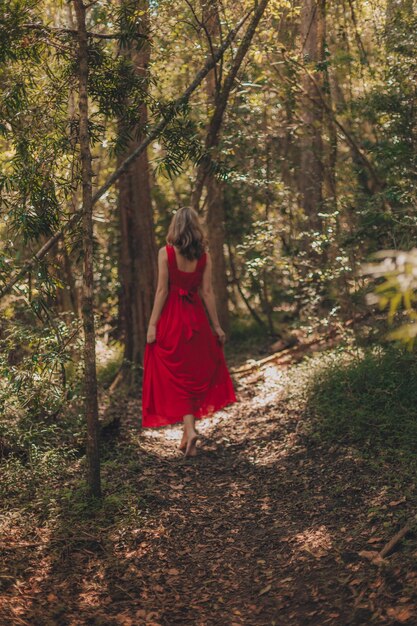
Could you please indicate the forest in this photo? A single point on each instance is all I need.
(290, 127)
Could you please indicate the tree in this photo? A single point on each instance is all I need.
(205, 172)
(311, 174)
(137, 265)
(90, 376)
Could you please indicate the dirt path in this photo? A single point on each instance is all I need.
(264, 527)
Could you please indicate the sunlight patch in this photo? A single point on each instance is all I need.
(315, 541)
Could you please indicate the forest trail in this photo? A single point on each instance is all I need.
(264, 527)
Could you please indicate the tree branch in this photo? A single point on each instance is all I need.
(72, 31)
(221, 103)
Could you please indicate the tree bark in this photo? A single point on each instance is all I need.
(90, 376)
(216, 233)
(137, 266)
(311, 165)
(67, 296)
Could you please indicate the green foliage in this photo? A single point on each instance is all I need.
(396, 290)
(33, 360)
(370, 401)
(38, 440)
(179, 141)
(263, 269)
(16, 43)
(389, 107)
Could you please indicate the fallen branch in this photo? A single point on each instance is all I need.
(277, 356)
(155, 132)
(332, 334)
(392, 543)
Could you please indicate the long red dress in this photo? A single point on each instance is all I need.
(185, 370)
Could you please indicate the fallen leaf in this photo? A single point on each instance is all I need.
(401, 614)
(173, 571)
(265, 589)
(397, 502)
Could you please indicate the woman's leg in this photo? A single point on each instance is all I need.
(190, 435)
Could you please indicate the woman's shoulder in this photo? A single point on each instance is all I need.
(163, 253)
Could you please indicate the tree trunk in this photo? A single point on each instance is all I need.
(137, 267)
(311, 165)
(67, 296)
(214, 198)
(216, 236)
(90, 377)
(219, 96)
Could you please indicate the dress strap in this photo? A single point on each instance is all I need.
(171, 256)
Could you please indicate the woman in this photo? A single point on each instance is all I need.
(185, 373)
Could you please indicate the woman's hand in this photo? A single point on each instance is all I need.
(220, 334)
(151, 335)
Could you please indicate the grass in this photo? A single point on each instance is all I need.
(369, 401)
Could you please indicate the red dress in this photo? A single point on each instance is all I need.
(185, 370)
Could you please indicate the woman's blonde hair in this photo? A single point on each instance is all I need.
(186, 233)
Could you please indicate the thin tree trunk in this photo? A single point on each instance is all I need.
(330, 159)
(214, 189)
(311, 165)
(205, 177)
(137, 267)
(90, 377)
(216, 232)
(67, 297)
(222, 97)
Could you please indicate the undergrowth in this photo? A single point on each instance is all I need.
(369, 400)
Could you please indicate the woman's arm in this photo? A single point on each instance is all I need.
(160, 295)
(207, 295)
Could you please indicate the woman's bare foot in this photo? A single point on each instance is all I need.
(183, 443)
(185, 436)
(191, 449)
(190, 435)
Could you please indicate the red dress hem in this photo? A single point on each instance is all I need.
(163, 420)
